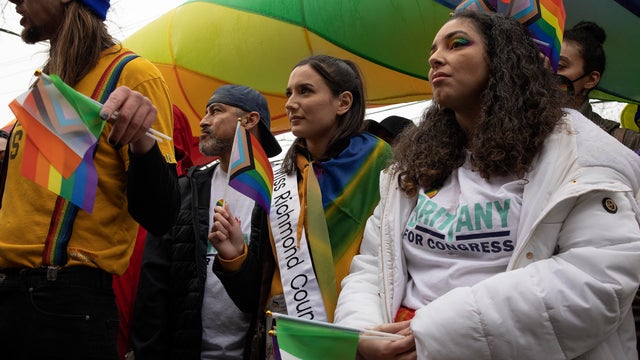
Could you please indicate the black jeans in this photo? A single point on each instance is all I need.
(66, 314)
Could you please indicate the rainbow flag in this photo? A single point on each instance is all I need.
(250, 171)
(349, 184)
(63, 128)
(544, 18)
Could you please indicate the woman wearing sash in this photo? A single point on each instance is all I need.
(507, 226)
(323, 194)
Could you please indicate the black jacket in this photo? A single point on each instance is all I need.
(152, 191)
(166, 320)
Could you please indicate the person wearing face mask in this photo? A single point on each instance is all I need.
(581, 66)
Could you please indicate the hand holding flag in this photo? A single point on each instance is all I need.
(63, 127)
(132, 116)
(62, 132)
(226, 235)
(250, 174)
(296, 338)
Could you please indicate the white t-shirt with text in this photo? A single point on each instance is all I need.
(460, 234)
(224, 326)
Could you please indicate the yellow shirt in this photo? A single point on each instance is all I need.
(105, 238)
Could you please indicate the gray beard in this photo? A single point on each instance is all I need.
(215, 147)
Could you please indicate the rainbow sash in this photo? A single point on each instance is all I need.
(339, 196)
(350, 192)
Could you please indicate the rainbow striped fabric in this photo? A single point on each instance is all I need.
(250, 171)
(350, 191)
(63, 127)
(544, 18)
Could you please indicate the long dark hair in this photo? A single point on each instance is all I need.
(521, 106)
(77, 46)
(340, 75)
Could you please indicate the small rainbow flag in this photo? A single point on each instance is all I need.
(544, 18)
(250, 171)
(63, 128)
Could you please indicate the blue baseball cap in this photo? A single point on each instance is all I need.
(248, 99)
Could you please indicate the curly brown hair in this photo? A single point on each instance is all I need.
(521, 106)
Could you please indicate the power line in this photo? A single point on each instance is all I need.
(9, 32)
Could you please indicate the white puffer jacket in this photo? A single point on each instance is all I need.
(568, 288)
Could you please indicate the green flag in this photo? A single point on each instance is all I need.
(299, 339)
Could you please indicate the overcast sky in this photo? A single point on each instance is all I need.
(19, 60)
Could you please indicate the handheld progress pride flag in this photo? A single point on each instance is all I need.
(296, 338)
(250, 171)
(63, 128)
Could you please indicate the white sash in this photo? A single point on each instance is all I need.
(300, 286)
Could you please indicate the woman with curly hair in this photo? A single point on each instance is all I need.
(507, 226)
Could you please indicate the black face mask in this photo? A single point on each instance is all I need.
(566, 84)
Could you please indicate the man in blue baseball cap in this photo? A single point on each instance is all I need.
(248, 99)
(196, 319)
(57, 261)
